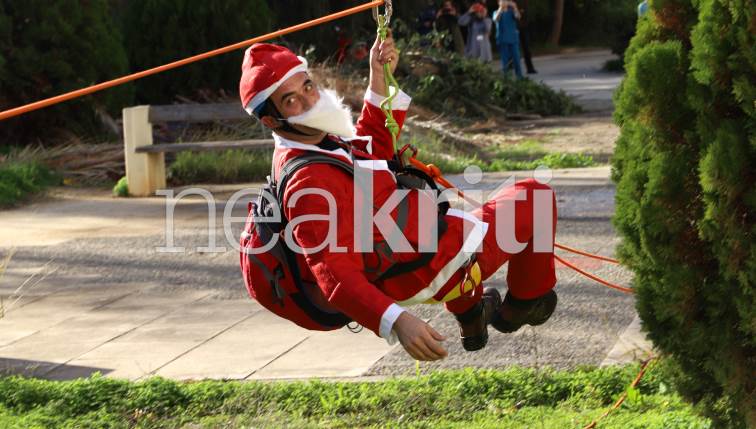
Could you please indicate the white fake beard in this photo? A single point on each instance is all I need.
(329, 115)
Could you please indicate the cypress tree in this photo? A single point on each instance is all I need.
(684, 168)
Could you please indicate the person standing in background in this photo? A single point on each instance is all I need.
(642, 8)
(507, 36)
(478, 33)
(426, 18)
(446, 22)
(525, 35)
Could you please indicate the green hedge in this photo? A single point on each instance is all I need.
(685, 166)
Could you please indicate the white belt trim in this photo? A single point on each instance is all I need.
(457, 262)
(375, 165)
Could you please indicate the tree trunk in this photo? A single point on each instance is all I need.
(556, 28)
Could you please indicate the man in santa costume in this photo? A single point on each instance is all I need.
(305, 118)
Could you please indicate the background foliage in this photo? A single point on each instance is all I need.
(47, 48)
(158, 31)
(685, 197)
(449, 83)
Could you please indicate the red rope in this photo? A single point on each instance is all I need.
(622, 398)
(592, 277)
(590, 255)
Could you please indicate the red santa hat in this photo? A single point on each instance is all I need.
(264, 69)
(478, 7)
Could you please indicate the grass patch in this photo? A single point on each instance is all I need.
(238, 166)
(552, 160)
(527, 155)
(527, 150)
(21, 179)
(512, 398)
(231, 166)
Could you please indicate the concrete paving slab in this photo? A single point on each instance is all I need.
(125, 359)
(194, 322)
(186, 321)
(239, 351)
(49, 311)
(632, 346)
(83, 331)
(328, 354)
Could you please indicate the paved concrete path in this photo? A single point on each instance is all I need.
(87, 291)
(581, 76)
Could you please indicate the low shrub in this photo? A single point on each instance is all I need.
(455, 85)
(19, 180)
(121, 188)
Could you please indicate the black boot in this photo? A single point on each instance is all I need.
(473, 324)
(514, 313)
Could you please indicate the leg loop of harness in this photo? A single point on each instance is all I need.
(471, 279)
(466, 287)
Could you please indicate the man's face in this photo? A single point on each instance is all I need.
(296, 96)
(311, 111)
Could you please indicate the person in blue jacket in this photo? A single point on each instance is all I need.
(507, 35)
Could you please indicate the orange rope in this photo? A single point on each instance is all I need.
(622, 398)
(121, 80)
(590, 255)
(435, 173)
(592, 277)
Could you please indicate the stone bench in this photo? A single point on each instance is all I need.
(145, 161)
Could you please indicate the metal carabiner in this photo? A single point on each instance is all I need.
(388, 10)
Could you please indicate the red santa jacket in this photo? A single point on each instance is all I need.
(343, 275)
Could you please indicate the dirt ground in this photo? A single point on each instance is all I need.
(589, 133)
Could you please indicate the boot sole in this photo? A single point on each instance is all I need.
(507, 327)
(473, 344)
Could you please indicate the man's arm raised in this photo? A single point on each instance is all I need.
(372, 121)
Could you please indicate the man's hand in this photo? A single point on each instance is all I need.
(417, 337)
(382, 53)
